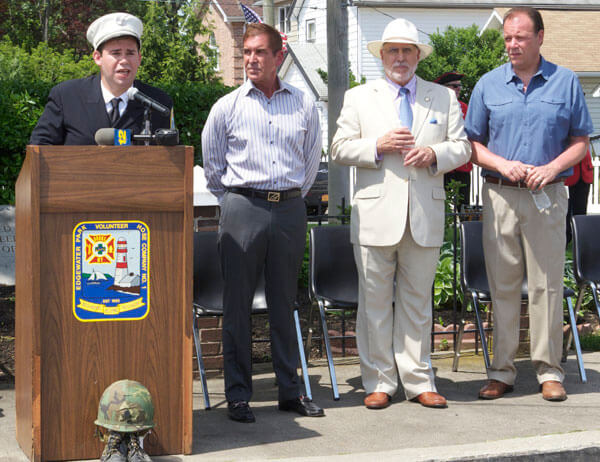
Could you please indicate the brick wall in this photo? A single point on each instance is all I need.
(228, 37)
(212, 348)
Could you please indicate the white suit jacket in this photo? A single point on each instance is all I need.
(386, 191)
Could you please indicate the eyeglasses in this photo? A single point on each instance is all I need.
(454, 85)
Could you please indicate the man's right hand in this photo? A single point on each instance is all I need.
(398, 140)
(514, 170)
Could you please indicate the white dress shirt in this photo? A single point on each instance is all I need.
(252, 141)
(108, 96)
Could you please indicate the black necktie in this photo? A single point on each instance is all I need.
(114, 114)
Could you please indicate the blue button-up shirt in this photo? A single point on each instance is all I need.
(535, 126)
(252, 141)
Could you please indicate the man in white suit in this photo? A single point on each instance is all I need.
(402, 133)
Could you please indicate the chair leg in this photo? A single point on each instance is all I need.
(334, 386)
(569, 342)
(567, 346)
(576, 340)
(201, 369)
(461, 330)
(343, 333)
(305, 376)
(484, 347)
(594, 288)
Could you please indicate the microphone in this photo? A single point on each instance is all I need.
(113, 137)
(134, 93)
(121, 137)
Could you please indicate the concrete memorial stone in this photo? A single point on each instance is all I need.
(7, 245)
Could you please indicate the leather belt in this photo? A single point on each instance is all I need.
(519, 184)
(271, 196)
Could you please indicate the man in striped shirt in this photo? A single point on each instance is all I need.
(261, 146)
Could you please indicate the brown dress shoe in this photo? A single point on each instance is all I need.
(553, 391)
(377, 400)
(494, 389)
(431, 399)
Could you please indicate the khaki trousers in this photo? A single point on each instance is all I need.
(518, 238)
(395, 341)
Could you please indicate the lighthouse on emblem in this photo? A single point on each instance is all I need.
(121, 269)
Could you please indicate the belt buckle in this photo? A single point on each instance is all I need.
(273, 196)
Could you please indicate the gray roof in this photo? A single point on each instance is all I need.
(309, 57)
(542, 4)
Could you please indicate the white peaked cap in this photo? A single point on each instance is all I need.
(114, 25)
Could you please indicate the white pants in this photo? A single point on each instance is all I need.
(395, 341)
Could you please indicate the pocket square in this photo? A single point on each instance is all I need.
(433, 121)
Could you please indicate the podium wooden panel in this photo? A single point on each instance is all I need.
(62, 364)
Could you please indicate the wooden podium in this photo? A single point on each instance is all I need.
(63, 361)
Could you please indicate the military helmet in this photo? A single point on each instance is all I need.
(126, 406)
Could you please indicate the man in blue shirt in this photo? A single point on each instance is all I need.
(528, 124)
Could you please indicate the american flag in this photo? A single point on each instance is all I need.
(251, 16)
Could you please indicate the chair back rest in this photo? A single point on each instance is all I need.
(586, 248)
(333, 274)
(473, 275)
(208, 278)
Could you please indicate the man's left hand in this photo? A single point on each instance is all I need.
(420, 157)
(538, 177)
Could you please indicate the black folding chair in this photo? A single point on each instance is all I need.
(476, 291)
(586, 255)
(208, 301)
(333, 279)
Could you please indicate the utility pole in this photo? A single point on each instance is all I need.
(46, 20)
(269, 12)
(337, 84)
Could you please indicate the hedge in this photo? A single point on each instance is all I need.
(26, 79)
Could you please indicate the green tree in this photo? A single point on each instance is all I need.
(61, 24)
(466, 51)
(352, 82)
(169, 46)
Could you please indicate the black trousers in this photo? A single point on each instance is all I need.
(255, 236)
(578, 198)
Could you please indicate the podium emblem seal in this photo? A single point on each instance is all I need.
(110, 271)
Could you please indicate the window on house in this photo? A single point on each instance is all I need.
(212, 44)
(311, 30)
(284, 21)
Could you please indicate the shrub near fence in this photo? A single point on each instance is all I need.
(26, 79)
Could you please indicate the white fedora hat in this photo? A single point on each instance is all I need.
(400, 31)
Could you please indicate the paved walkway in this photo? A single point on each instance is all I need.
(521, 426)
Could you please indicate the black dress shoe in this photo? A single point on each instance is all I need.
(303, 406)
(240, 411)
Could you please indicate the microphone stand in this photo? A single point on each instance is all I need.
(146, 130)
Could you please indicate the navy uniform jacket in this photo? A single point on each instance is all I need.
(76, 110)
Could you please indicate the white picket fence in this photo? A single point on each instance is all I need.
(593, 197)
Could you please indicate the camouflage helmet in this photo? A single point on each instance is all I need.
(126, 406)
